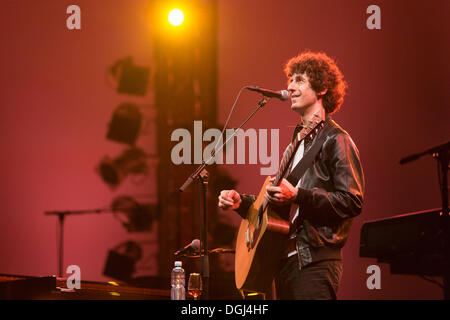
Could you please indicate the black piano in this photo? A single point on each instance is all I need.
(18, 287)
(411, 243)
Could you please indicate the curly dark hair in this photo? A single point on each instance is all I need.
(323, 73)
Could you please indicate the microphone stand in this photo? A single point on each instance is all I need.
(201, 175)
(61, 216)
(442, 155)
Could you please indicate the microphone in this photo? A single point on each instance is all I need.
(193, 246)
(282, 94)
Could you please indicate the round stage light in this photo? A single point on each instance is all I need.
(176, 17)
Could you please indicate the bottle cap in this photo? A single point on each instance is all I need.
(178, 264)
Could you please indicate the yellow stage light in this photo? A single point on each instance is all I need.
(176, 17)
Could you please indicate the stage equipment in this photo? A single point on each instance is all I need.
(132, 79)
(134, 216)
(176, 17)
(415, 243)
(442, 155)
(61, 217)
(184, 89)
(125, 124)
(121, 261)
(266, 229)
(194, 246)
(201, 175)
(131, 161)
(20, 287)
(282, 94)
(411, 243)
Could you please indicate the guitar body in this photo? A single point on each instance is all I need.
(260, 244)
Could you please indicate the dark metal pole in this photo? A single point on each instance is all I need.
(442, 155)
(203, 178)
(61, 244)
(443, 158)
(202, 175)
(61, 215)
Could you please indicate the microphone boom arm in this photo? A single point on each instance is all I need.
(198, 171)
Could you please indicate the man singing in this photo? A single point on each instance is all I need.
(327, 196)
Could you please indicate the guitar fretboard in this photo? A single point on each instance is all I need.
(311, 130)
(287, 159)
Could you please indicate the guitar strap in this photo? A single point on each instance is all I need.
(308, 159)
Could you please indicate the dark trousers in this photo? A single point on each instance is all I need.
(316, 281)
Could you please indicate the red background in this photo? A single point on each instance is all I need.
(56, 103)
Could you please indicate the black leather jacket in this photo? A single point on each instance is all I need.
(329, 196)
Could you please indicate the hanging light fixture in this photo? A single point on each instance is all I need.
(131, 161)
(125, 124)
(135, 216)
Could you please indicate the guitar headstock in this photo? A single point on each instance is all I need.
(311, 128)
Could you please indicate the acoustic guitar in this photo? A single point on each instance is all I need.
(263, 234)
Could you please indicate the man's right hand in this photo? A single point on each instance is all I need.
(229, 200)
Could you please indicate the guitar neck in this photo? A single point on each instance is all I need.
(288, 157)
(284, 166)
(287, 160)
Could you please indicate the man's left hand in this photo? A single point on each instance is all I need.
(283, 194)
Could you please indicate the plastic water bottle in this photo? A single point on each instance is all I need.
(178, 291)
